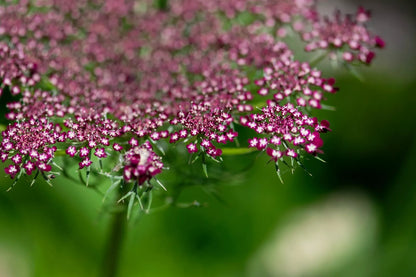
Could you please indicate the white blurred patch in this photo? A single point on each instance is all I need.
(319, 238)
(13, 262)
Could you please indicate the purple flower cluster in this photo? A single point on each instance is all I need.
(345, 35)
(114, 78)
(29, 145)
(285, 131)
(286, 78)
(141, 164)
(16, 72)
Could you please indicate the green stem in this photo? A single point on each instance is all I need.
(115, 239)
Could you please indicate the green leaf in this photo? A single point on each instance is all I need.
(320, 159)
(204, 168)
(56, 165)
(285, 144)
(80, 177)
(286, 164)
(160, 184)
(204, 165)
(195, 158)
(140, 202)
(125, 196)
(317, 59)
(303, 167)
(149, 202)
(110, 189)
(2, 127)
(354, 72)
(47, 179)
(15, 181)
(88, 176)
(278, 172)
(292, 161)
(237, 151)
(214, 159)
(327, 107)
(34, 178)
(130, 206)
(159, 147)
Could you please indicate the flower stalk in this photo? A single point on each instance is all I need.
(116, 236)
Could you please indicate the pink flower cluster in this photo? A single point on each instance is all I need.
(29, 145)
(16, 72)
(141, 164)
(285, 131)
(100, 78)
(344, 35)
(286, 78)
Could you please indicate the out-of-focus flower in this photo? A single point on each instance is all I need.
(346, 34)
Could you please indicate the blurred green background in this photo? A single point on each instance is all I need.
(354, 217)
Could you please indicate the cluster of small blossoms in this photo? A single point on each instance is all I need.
(92, 134)
(207, 119)
(346, 35)
(16, 72)
(286, 78)
(116, 71)
(285, 131)
(30, 106)
(256, 49)
(29, 145)
(207, 126)
(141, 164)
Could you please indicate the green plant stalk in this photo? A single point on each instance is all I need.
(116, 235)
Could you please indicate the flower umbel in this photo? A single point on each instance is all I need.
(104, 81)
(141, 164)
(112, 93)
